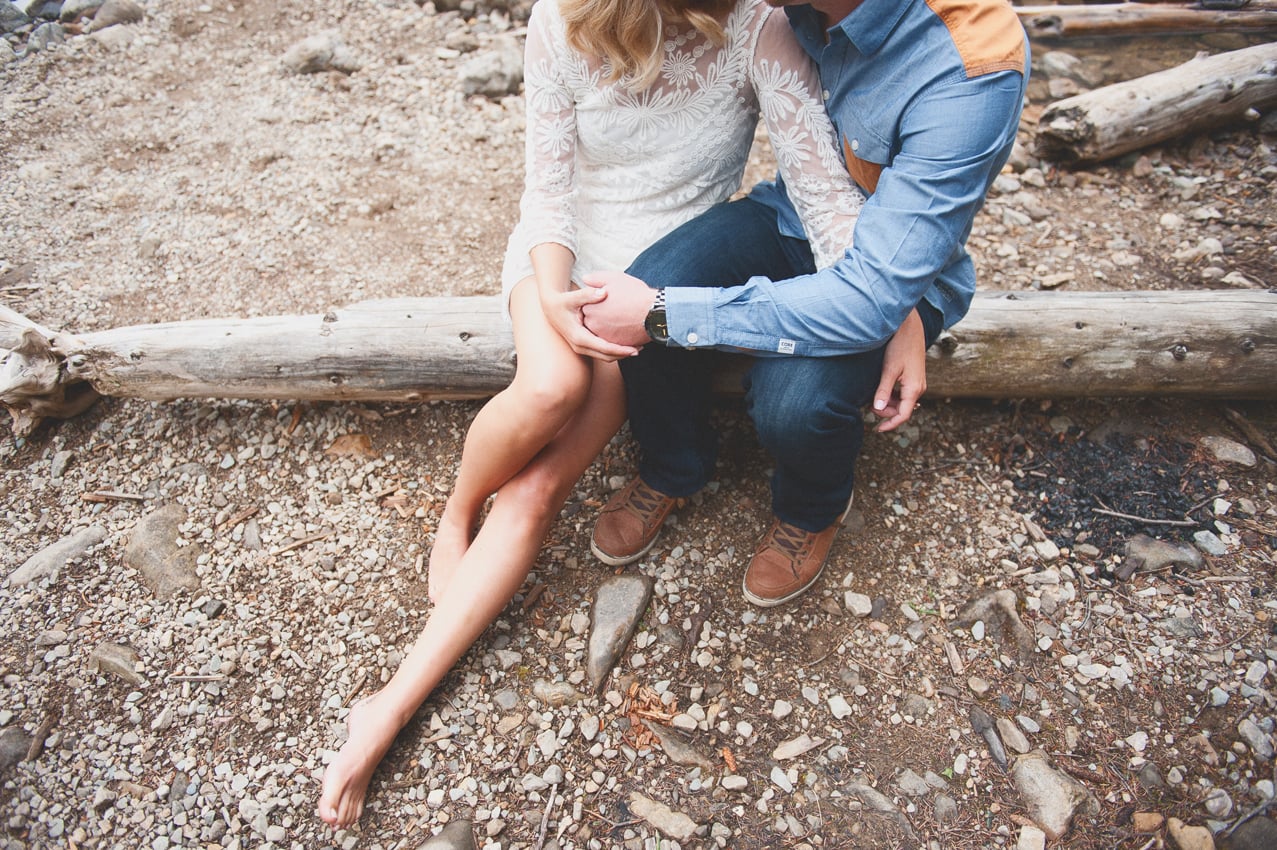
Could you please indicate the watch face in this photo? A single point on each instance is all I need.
(656, 326)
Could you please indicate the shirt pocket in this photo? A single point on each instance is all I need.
(865, 152)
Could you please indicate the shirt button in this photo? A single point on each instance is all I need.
(692, 338)
(825, 94)
(855, 144)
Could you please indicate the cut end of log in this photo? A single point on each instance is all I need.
(65, 403)
(1044, 26)
(33, 383)
(1063, 133)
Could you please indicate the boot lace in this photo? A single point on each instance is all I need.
(791, 541)
(645, 501)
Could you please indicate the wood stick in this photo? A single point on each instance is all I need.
(305, 541)
(238, 517)
(1185, 523)
(1010, 345)
(42, 733)
(1201, 94)
(1252, 433)
(1124, 19)
(112, 496)
(545, 817)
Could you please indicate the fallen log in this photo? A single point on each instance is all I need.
(1010, 345)
(1201, 94)
(1126, 19)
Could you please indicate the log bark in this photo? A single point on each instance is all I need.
(1201, 94)
(1125, 19)
(1010, 345)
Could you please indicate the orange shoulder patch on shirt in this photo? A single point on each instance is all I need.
(865, 173)
(987, 33)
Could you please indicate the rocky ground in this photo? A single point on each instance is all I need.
(1043, 618)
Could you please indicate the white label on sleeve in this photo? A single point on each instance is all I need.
(786, 346)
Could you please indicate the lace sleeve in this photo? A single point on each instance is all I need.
(804, 141)
(547, 205)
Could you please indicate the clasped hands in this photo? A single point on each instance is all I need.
(608, 312)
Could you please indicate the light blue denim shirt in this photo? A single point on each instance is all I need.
(927, 111)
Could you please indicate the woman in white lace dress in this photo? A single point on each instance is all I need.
(640, 116)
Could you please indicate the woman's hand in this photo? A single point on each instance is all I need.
(563, 311)
(561, 302)
(904, 365)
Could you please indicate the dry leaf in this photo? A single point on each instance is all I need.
(350, 445)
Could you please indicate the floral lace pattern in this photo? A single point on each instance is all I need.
(611, 170)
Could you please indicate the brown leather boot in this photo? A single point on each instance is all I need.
(629, 523)
(787, 562)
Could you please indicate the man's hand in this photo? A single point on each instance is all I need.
(905, 364)
(618, 317)
(563, 310)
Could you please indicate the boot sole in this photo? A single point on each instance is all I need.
(615, 561)
(763, 602)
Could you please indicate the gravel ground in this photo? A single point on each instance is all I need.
(234, 574)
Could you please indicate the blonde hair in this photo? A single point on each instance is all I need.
(628, 34)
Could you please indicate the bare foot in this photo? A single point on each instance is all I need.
(372, 729)
(452, 539)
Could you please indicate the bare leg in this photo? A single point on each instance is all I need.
(490, 572)
(550, 384)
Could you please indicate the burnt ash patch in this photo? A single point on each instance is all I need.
(1066, 481)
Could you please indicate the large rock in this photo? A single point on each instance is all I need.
(457, 835)
(52, 558)
(494, 73)
(165, 567)
(1225, 450)
(1254, 834)
(74, 10)
(116, 12)
(117, 660)
(14, 744)
(1146, 554)
(674, 824)
(323, 52)
(881, 803)
(1187, 837)
(1053, 799)
(679, 750)
(618, 607)
(12, 18)
(997, 610)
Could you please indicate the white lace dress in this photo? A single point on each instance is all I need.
(610, 170)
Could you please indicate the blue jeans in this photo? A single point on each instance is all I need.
(806, 409)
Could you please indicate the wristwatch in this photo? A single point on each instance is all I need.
(655, 324)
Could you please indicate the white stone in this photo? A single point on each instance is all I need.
(1031, 838)
(1137, 741)
(858, 603)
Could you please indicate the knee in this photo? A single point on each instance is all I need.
(550, 398)
(535, 495)
(784, 417)
(670, 262)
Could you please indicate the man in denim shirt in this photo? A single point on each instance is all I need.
(926, 97)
